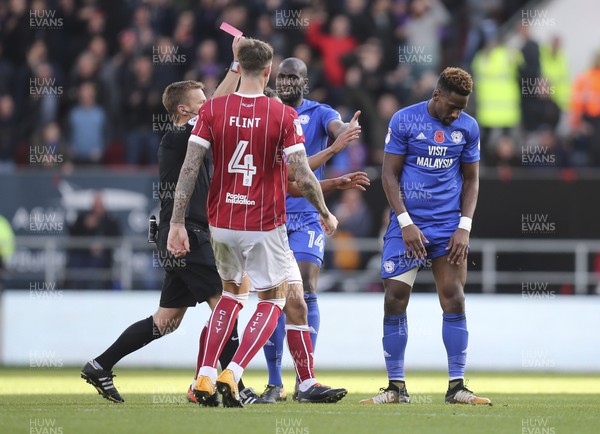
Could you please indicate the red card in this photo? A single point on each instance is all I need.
(230, 29)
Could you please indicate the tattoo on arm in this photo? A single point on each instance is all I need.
(187, 180)
(307, 181)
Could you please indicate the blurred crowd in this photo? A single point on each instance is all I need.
(83, 79)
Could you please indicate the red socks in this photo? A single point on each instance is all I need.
(257, 333)
(220, 326)
(301, 350)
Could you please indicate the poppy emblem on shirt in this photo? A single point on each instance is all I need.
(304, 119)
(439, 136)
(456, 137)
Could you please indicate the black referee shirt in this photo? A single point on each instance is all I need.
(171, 154)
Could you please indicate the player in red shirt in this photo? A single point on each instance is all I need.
(249, 134)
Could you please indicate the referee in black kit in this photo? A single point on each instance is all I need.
(190, 280)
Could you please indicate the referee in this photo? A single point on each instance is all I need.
(187, 281)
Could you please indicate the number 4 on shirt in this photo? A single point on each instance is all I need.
(248, 169)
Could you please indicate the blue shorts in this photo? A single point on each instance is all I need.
(306, 237)
(394, 261)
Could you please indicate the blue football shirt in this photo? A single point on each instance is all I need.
(314, 118)
(431, 180)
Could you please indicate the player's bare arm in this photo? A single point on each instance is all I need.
(310, 188)
(358, 180)
(320, 158)
(411, 235)
(459, 242)
(177, 241)
(232, 78)
(337, 127)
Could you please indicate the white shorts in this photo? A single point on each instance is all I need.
(295, 276)
(263, 255)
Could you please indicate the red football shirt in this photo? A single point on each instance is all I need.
(249, 135)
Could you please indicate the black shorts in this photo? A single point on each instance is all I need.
(193, 278)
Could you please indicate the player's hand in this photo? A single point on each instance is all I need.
(344, 138)
(329, 223)
(235, 46)
(458, 246)
(413, 241)
(358, 180)
(354, 121)
(178, 242)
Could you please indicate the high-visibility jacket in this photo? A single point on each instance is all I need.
(585, 97)
(555, 69)
(7, 239)
(496, 87)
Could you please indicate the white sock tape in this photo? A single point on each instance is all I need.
(240, 298)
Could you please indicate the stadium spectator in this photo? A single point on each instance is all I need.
(87, 69)
(92, 265)
(87, 128)
(355, 221)
(382, 29)
(423, 30)
(585, 111)
(332, 46)
(183, 40)
(555, 68)
(371, 57)
(117, 73)
(16, 32)
(142, 27)
(387, 105)
(52, 143)
(538, 109)
(45, 95)
(506, 153)
(498, 92)
(265, 31)
(360, 23)
(207, 61)
(140, 102)
(7, 72)
(168, 61)
(9, 134)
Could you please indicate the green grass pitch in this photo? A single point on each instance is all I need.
(57, 401)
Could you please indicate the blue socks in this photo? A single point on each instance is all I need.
(314, 317)
(454, 335)
(395, 337)
(456, 339)
(274, 352)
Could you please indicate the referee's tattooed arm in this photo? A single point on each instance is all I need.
(187, 180)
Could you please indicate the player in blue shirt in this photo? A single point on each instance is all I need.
(320, 123)
(431, 180)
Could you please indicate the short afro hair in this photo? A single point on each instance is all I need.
(455, 80)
